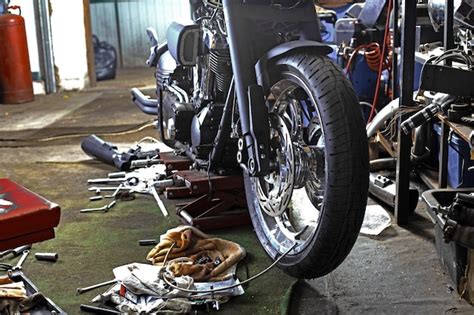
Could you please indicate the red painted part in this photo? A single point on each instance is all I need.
(16, 84)
(25, 217)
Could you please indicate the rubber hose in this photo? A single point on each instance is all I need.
(383, 164)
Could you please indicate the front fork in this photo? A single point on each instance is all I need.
(254, 145)
(247, 45)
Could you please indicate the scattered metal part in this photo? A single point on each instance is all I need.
(110, 205)
(117, 175)
(99, 190)
(146, 180)
(20, 250)
(95, 286)
(102, 209)
(20, 262)
(151, 242)
(159, 202)
(116, 191)
(52, 257)
(15, 251)
(126, 196)
(105, 180)
(186, 216)
(97, 310)
(6, 252)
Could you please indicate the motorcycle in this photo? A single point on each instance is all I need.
(248, 88)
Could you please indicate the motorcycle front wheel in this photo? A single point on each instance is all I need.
(315, 199)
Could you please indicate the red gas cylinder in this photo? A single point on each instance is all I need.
(16, 84)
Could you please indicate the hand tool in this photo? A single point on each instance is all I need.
(95, 286)
(104, 209)
(147, 242)
(143, 181)
(15, 251)
(20, 262)
(97, 310)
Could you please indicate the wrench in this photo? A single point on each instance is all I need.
(104, 209)
(98, 190)
(21, 261)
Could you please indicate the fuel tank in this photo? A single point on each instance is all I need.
(16, 84)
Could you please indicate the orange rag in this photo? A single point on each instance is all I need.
(197, 255)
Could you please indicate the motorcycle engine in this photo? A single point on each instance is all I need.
(193, 96)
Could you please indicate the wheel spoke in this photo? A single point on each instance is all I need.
(291, 198)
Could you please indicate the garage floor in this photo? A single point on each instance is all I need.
(396, 273)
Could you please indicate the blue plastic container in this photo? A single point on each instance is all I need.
(459, 160)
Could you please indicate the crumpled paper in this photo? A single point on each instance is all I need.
(152, 295)
(376, 220)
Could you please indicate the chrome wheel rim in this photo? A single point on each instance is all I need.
(292, 216)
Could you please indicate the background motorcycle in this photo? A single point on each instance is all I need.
(248, 87)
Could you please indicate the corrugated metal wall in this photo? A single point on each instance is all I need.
(133, 18)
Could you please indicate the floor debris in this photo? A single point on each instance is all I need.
(376, 220)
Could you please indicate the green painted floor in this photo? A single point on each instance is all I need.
(395, 273)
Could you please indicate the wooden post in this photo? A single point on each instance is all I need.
(89, 44)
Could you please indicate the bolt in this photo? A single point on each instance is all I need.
(252, 166)
(239, 157)
(241, 144)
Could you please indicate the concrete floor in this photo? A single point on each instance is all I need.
(395, 273)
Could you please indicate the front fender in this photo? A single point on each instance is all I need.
(279, 51)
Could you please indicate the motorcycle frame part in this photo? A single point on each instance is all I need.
(211, 211)
(247, 46)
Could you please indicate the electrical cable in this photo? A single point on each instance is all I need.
(382, 57)
(168, 282)
(149, 139)
(134, 129)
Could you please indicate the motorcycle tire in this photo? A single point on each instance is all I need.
(346, 171)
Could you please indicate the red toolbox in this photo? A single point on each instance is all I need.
(25, 217)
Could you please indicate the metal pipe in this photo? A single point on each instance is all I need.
(119, 33)
(147, 105)
(448, 27)
(383, 164)
(45, 45)
(402, 204)
(386, 113)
